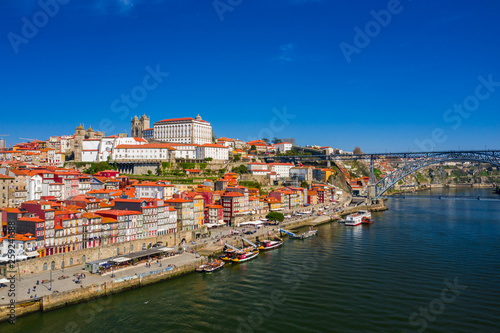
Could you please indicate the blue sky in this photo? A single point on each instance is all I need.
(243, 66)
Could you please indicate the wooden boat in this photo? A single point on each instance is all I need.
(228, 255)
(211, 267)
(268, 244)
(245, 255)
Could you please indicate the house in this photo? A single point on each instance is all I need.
(283, 147)
(214, 151)
(282, 169)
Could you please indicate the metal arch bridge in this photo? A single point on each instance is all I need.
(413, 161)
(421, 161)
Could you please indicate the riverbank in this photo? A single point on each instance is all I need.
(96, 287)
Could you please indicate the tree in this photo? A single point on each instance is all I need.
(357, 151)
(237, 157)
(253, 147)
(304, 184)
(291, 140)
(150, 172)
(266, 140)
(209, 159)
(159, 171)
(275, 216)
(276, 140)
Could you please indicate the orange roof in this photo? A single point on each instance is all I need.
(147, 146)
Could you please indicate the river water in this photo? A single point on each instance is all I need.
(423, 266)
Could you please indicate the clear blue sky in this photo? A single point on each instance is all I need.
(393, 92)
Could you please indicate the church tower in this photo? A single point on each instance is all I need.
(137, 126)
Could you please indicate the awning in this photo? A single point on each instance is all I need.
(120, 260)
(4, 281)
(32, 254)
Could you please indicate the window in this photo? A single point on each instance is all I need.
(45, 266)
(52, 265)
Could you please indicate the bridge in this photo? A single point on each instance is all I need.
(411, 161)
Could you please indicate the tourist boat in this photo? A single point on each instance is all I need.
(228, 255)
(245, 255)
(354, 219)
(211, 266)
(268, 244)
(366, 217)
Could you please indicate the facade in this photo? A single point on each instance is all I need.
(282, 169)
(283, 147)
(150, 151)
(214, 214)
(155, 190)
(183, 130)
(233, 204)
(138, 126)
(185, 213)
(213, 151)
(6, 190)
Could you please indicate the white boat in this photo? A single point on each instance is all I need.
(354, 219)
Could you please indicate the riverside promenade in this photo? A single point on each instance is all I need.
(64, 292)
(25, 291)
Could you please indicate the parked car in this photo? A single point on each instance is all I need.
(249, 232)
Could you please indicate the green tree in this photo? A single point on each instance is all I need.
(276, 140)
(209, 159)
(253, 147)
(275, 216)
(304, 184)
(266, 140)
(237, 157)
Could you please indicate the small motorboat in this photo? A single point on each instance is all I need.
(211, 267)
(268, 244)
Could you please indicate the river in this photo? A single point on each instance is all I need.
(423, 265)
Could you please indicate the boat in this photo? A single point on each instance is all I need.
(211, 266)
(354, 219)
(245, 255)
(228, 255)
(268, 244)
(311, 232)
(366, 217)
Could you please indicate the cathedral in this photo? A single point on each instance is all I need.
(138, 126)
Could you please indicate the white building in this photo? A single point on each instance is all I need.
(283, 147)
(184, 151)
(327, 150)
(150, 151)
(35, 187)
(152, 190)
(90, 150)
(213, 151)
(98, 150)
(183, 130)
(282, 169)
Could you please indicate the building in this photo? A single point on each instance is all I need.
(183, 130)
(214, 151)
(155, 190)
(327, 150)
(6, 190)
(185, 213)
(283, 147)
(80, 135)
(233, 204)
(281, 169)
(214, 214)
(302, 173)
(139, 126)
(150, 151)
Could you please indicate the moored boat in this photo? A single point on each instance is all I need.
(211, 267)
(354, 219)
(228, 255)
(268, 244)
(311, 232)
(245, 255)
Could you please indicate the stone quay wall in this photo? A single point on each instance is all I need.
(73, 258)
(83, 294)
